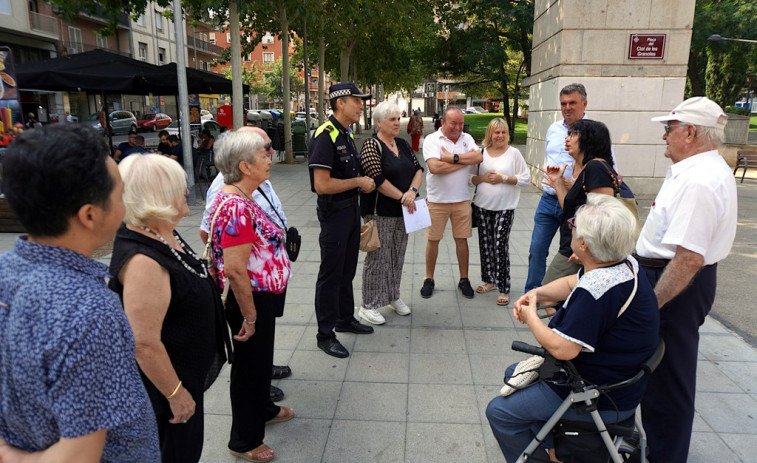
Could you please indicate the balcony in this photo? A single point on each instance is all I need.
(201, 45)
(43, 23)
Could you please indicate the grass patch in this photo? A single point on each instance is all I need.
(478, 123)
(753, 123)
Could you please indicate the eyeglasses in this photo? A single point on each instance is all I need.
(571, 223)
(268, 146)
(573, 133)
(669, 127)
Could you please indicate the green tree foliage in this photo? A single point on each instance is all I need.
(488, 45)
(719, 70)
(274, 77)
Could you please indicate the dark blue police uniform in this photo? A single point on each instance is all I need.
(339, 215)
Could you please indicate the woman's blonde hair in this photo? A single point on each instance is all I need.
(495, 124)
(154, 188)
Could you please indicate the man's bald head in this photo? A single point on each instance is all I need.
(258, 131)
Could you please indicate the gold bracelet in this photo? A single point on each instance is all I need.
(175, 391)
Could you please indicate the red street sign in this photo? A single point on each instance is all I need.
(647, 46)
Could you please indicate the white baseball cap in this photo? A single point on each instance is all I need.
(698, 110)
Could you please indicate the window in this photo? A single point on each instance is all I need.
(228, 37)
(5, 7)
(141, 20)
(248, 57)
(204, 65)
(158, 21)
(161, 56)
(102, 42)
(212, 38)
(142, 51)
(268, 57)
(74, 39)
(268, 38)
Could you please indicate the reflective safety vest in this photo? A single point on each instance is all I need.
(329, 127)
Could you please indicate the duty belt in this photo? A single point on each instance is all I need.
(651, 262)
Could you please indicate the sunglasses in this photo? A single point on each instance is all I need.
(268, 146)
(669, 127)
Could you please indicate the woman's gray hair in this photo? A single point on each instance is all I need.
(607, 227)
(233, 148)
(384, 110)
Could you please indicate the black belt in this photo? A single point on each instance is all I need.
(651, 262)
(338, 204)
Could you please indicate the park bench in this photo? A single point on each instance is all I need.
(744, 159)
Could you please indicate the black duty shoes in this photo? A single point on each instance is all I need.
(353, 326)
(277, 395)
(333, 347)
(466, 288)
(428, 288)
(280, 371)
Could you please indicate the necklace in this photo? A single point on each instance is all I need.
(176, 254)
(241, 191)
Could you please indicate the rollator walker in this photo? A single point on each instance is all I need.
(576, 441)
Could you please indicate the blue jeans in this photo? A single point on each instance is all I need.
(516, 419)
(547, 220)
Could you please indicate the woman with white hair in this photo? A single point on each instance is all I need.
(249, 259)
(607, 327)
(390, 162)
(172, 305)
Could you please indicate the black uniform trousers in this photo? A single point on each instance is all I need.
(250, 385)
(668, 404)
(340, 242)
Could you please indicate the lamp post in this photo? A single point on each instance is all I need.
(720, 38)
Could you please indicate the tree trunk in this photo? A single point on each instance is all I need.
(516, 93)
(237, 98)
(344, 63)
(321, 85)
(286, 95)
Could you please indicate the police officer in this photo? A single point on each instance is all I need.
(336, 176)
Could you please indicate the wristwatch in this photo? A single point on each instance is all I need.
(414, 190)
(455, 158)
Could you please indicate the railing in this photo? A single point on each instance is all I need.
(43, 23)
(202, 45)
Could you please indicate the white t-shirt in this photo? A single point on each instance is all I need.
(455, 186)
(696, 208)
(502, 196)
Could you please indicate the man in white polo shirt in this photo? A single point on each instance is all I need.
(690, 228)
(450, 156)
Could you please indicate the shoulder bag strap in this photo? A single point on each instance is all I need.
(260, 190)
(633, 293)
(207, 255)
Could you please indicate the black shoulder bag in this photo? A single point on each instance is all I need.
(293, 238)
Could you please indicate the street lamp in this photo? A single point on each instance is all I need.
(720, 38)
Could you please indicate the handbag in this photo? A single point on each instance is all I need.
(293, 238)
(528, 371)
(627, 198)
(369, 237)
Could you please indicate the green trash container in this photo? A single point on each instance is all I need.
(299, 145)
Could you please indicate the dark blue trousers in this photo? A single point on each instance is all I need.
(340, 242)
(668, 404)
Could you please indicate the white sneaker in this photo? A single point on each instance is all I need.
(372, 316)
(400, 307)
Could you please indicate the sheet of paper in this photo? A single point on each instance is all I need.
(417, 220)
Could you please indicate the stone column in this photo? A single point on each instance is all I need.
(588, 41)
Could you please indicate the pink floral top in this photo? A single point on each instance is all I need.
(241, 221)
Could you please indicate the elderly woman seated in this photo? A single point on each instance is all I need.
(605, 343)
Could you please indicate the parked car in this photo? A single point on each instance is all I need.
(154, 121)
(120, 122)
(195, 129)
(475, 110)
(313, 118)
(206, 115)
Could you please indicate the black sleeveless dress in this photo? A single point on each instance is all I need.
(194, 329)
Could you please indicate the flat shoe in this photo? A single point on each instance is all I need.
(503, 299)
(256, 454)
(485, 288)
(280, 371)
(276, 394)
(288, 415)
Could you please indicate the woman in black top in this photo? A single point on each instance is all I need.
(588, 142)
(172, 305)
(390, 162)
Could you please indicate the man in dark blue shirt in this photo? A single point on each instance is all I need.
(69, 385)
(336, 176)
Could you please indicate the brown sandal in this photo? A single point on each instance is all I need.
(256, 454)
(503, 299)
(285, 414)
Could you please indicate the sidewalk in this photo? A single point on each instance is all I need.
(416, 389)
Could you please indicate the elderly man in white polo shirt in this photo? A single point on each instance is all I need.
(690, 228)
(450, 156)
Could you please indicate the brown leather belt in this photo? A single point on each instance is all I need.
(651, 262)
